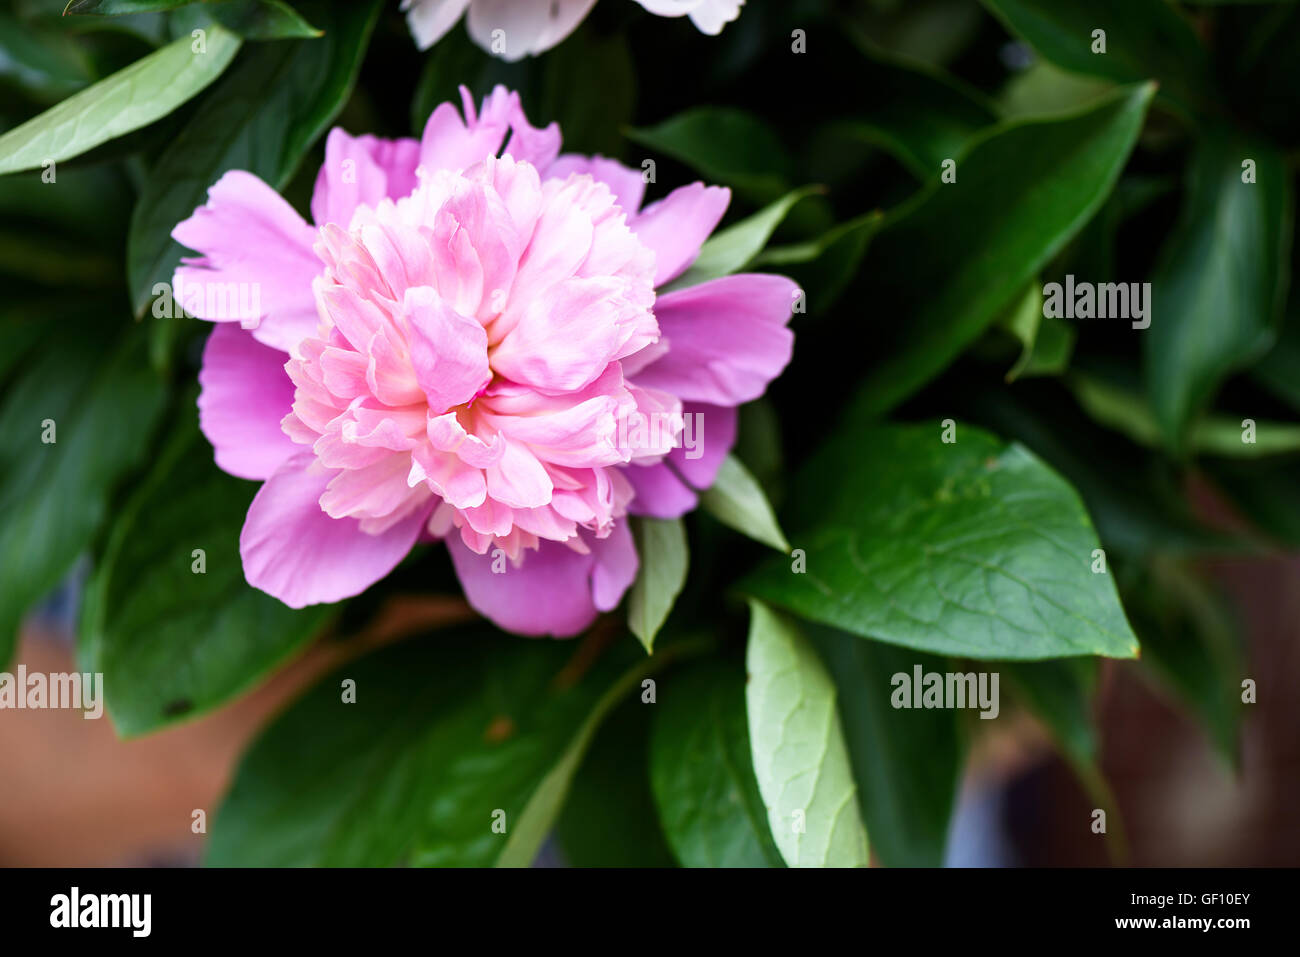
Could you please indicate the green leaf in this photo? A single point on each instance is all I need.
(445, 732)
(117, 8)
(958, 255)
(260, 19)
(1145, 39)
(919, 115)
(732, 249)
(973, 548)
(907, 762)
(1218, 293)
(1045, 341)
(262, 117)
(1128, 413)
(45, 66)
(800, 760)
(736, 500)
(726, 146)
(661, 544)
(610, 819)
(702, 773)
(54, 495)
(133, 97)
(1059, 694)
(824, 267)
(173, 643)
(1192, 650)
(588, 86)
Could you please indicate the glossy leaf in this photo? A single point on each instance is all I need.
(800, 760)
(972, 548)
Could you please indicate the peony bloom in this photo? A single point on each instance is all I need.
(529, 27)
(468, 346)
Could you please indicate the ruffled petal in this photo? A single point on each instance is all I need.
(255, 252)
(361, 170)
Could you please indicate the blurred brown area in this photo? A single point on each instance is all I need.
(1181, 803)
(73, 794)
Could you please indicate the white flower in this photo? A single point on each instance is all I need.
(514, 29)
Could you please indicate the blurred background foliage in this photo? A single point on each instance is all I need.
(833, 120)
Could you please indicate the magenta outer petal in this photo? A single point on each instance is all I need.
(245, 393)
(249, 236)
(676, 226)
(361, 170)
(626, 184)
(714, 439)
(727, 339)
(295, 552)
(615, 566)
(554, 591)
(660, 492)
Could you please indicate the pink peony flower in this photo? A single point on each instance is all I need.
(529, 27)
(468, 346)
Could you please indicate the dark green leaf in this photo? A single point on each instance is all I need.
(959, 254)
(907, 762)
(1218, 294)
(54, 495)
(173, 643)
(1144, 39)
(446, 731)
(726, 146)
(973, 548)
(702, 773)
(276, 101)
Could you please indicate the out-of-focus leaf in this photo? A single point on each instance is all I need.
(972, 548)
(173, 642)
(262, 118)
(1144, 40)
(610, 818)
(727, 146)
(1128, 413)
(100, 414)
(800, 760)
(1189, 646)
(907, 762)
(457, 751)
(1045, 88)
(825, 266)
(117, 8)
(702, 773)
(45, 66)
(661, 545)
(589, 87)
(146, 90)
(956, 256)
(260, 19)
(919, 115)
(1045, 341)
(1218, 294)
